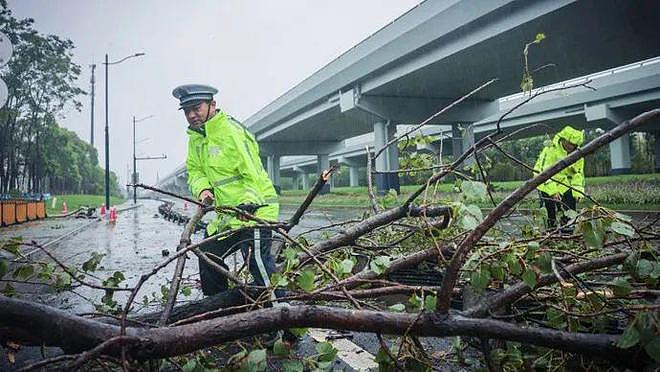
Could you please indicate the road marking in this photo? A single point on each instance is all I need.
(352, 354)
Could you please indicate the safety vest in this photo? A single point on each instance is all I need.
(554, 152)
(224, 157)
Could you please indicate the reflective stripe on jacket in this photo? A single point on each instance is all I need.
(226, 160)
(554, 152)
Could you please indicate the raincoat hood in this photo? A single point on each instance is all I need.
(570, 134)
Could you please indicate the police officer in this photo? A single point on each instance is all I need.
(563, 190)
(224, 168)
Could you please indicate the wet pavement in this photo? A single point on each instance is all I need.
(133, 245)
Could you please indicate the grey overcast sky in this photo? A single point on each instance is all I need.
(251, 50)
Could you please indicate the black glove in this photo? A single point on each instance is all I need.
(249, 207)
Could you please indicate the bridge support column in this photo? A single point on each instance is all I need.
(388, 160)
(353, 174)
(456, 140)
(322, 163)
(301, 179)
(620, 155)
(273, 169)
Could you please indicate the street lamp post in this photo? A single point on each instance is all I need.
(135, 158)
(107, 131)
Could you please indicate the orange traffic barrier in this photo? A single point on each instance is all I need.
(8, 212)
(41, 209)
(31, 211)
(21, 211)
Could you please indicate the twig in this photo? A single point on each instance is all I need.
(180, 264)
(370, 187)
(320, 182)
(445, 109)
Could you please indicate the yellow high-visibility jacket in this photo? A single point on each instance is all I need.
(572, 175)
(224, 157)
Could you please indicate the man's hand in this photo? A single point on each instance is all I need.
(206, 197)
(249, 208)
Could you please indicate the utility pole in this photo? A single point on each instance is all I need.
(135, 177)
(107, 140)
(92, 81)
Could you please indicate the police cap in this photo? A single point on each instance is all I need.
(192, 94)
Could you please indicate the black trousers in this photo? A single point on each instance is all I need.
(552, 206)
(260, 262)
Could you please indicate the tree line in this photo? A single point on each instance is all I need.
(36, 154)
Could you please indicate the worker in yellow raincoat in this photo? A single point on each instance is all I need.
(563, 190)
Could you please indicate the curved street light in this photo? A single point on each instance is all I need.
(107, 131)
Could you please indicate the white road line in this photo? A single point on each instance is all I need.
(352, 354)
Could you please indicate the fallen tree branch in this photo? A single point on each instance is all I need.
(30, 322)
(180, 264)
(459, 257)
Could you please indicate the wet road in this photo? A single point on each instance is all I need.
(133, 246)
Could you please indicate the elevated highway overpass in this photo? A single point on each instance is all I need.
(437, 52)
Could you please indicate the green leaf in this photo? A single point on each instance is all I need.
(430, 303)
(532, 247)
(544, 262)
(186, 291)
(529, 277)
(278, 280)
(474, 191)
(415, 301)
(12, 245)
(63, 281)
(622, 228)
(256, 360)
(398, 308)
(570, 214)
(289, 253)
(623, 217)
(24, 272)
(468, 222)
(299, 332)
(498, 272)
(653, 348)
(193, 365)
(306, 280)
(327, 352)
(630, 336)
(93, 262)
(347, 266)
(514, 264)
(280, 348)
(292, 366)
(594, 233)
(475, 211)
(539, 37)
(479, 279)
(621, 287)
(9, 290)
(644, 268)
(379, 264)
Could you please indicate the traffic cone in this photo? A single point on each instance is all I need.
(102, 210)
(64, 208)
(113, 214)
